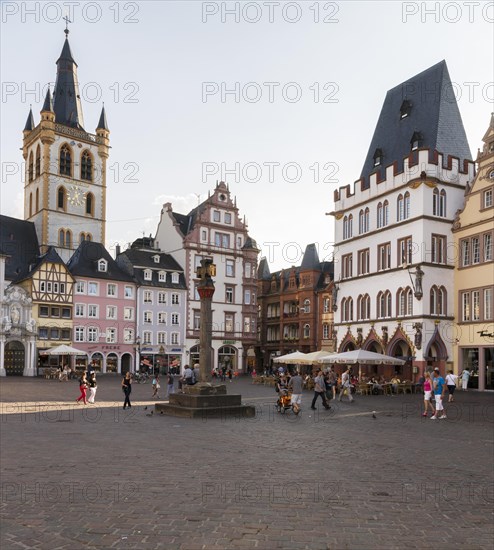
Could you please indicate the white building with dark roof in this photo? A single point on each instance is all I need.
(161, 304)
(214, 230)
(393, 244)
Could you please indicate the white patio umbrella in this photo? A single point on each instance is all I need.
(362, 357)
(290, 358)
(316, 357)
(63, 350)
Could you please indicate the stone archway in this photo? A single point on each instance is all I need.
(126, 365)
(15, 357)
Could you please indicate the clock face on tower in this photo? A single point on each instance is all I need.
(76, 195)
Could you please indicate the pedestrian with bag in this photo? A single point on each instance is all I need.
(451, 380)
(156, 386)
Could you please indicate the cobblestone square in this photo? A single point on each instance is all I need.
(76, 476)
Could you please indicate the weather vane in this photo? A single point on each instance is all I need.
(67, 21)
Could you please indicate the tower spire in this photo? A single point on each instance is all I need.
(66, 99)
(30, 121)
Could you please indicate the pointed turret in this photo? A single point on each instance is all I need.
(311, 257)
(29, 127)
(102, 124)
(48, 104)
(66, 98)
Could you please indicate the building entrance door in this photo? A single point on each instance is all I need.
(14, 358)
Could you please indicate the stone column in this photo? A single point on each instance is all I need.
(206, 289)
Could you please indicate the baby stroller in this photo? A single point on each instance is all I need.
(284, 402)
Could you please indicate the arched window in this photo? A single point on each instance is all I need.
(350, 226)
(89, 237)
(68, 238)
(345, 227)
(307, 306)
(37, 200)
(438, 298)
(384, 304)
(38, 162)
(361, 222)
(61, 198)
(404, 304)
(306, 330)
(366, 220)
(65, 160)
(347, 309)
(442, 203)
(380, 215)
(61, 237)
(90, 204)
(400, 208)
(82, 237)
(406, 206)
(86, 166)
(30, 204)
(363, 307)
(31, 168)
(385, 213)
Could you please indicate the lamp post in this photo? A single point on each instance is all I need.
(206, 289)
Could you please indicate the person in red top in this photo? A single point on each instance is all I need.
(82, 388)
(428, 395)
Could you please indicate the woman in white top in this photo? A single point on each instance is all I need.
(451, 383)
(465, 375)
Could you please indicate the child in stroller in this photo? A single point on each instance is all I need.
(284, 402)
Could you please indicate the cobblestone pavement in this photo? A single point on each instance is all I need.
(76, 476)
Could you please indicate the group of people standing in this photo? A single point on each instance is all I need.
(86, 383)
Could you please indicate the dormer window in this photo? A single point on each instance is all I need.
(175, 278)
(147, 275)
(378, 157)
(156, 259)
(162, 276)
(102, 266)
(405, 109)
(416, 141)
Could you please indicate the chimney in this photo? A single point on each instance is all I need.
(117, 250)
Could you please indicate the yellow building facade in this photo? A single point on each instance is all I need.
(473, 231)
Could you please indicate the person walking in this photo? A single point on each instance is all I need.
(296, 384)
(92, 388)
(332, 379)
(439, 389)
(345, 385)
(156, 386)
(82, 388)
(319, 391)
(230, 375)
(451, 383)
(169, 385)
(465, 376)
(127, 389)
(428, 395)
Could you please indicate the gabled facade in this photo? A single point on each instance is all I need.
(473, 233)
(50, 286)
(291, 303)
(214, 230)
(65, 180)
(161, 304)
(393, 242)
(104, 310)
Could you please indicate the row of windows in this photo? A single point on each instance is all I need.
(477, 305)
(404, 304)
(161, 338)
(405, 252)
(53, 333)
(476, 249)
(249, 268)
(65, 167)
(91, 288)
(249, 325)
(222, 240)
(162, 318)
(148, 276)
(52, 287)
(402, 213)
(227, 217)
(291, 332)
(91, 311)
(55, 311)
(93, 334)
(65, 237)
(162, 297)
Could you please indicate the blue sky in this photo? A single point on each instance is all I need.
(152, 62)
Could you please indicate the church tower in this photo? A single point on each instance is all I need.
(65, 183)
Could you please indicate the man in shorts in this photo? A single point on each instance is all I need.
(439, 390)
(296, 384)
